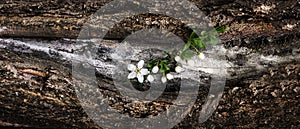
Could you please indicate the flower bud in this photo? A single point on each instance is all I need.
(177, 58)
(201, 56)
(155, 69)
(150, 78)
(178, 69)
(163, 79)
(169, 76)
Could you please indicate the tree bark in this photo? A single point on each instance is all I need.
(64, 19)
(37, 88)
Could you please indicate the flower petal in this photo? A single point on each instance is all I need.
(163, 79)
(155, 69)
(144, 71)
(131, 75)
(131, 67)
(140, 78)
(141, 64)
(169, 76)
(150, 78)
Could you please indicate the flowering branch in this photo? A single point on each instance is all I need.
(171, 63)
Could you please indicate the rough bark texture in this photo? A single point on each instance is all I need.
(37, 89)
(56, 18)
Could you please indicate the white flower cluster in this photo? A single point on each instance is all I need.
(165, 77)
(139, 72)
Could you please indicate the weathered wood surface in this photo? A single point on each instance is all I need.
(254, 96)
(262, 89)
(56, 18)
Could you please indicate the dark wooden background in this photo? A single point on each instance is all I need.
(267, 97)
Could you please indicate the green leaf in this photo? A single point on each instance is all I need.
(221, 29)
(187, 54)
(164, 61)
(166, 67)
(203, 33)
(198, 43)
(213, 40)
(149, 65)
(163, 67)
(193, 35)
(187, 46)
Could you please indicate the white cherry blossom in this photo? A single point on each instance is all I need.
(137, 71)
